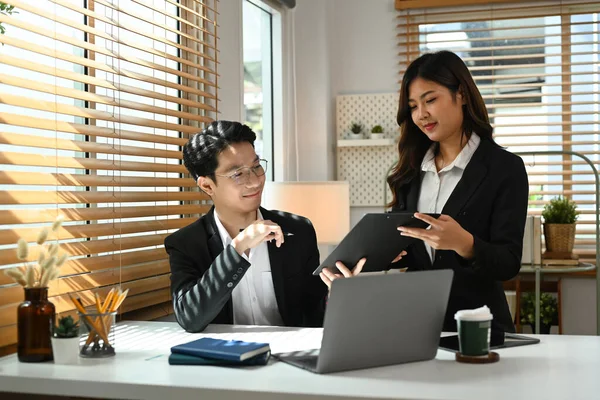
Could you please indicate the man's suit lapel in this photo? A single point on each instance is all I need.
(472, 177)
(276, 259)
(215, 245)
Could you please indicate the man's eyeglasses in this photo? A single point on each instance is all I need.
(241, 176)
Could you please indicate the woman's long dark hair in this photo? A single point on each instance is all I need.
(447, 69)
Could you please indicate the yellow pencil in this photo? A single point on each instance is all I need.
(81, 309)
(115, 306)
(119, 301)
(99, 308)
(108, 306)
(99, 319)
(108, 300)
(98, 305)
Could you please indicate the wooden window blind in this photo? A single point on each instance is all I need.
(420, 4)
(96, 99)
(537, 67)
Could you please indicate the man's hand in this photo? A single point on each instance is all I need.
(255, 234)
(399, 256)
(445, 234)
(328, 275)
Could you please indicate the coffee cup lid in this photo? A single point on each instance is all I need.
(478, 314)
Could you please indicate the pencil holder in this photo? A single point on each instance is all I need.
(97, 334)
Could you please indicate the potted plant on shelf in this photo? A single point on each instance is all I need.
(356, 131)
(65, 341)
(560, 217)
(548, 311)
(377, 132)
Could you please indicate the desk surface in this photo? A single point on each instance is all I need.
(560, 367)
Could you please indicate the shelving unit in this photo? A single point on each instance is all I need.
(362, 161)
(538, 269)
(538, 283)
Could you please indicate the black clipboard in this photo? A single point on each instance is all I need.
(375, 237)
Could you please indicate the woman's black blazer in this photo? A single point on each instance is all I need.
(490, 202)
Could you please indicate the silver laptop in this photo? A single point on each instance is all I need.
(379, 319)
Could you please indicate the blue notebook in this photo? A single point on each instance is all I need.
(184, 359)
(233, 350)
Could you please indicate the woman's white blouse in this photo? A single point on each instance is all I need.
(436, 187)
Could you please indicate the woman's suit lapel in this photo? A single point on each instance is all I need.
(473, 176)
(413, 190)
(469, 183)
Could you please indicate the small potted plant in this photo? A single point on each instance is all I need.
(560, 217)
(65, 341)
(356, 131)
(377, 132)
(548, 311)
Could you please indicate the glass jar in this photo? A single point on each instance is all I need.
(35, 320)
(97, 334)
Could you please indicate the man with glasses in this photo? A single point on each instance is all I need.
(240, 263)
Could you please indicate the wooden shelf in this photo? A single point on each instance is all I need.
(364, 142)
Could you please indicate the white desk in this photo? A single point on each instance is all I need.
(561, 367)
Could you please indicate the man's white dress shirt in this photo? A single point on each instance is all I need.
(253, 298)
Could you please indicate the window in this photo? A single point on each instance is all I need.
(258, 76)
(537, 67)
(97, 98)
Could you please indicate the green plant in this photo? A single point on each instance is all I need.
(560, 210)
(548, 309)
(5, 9)
(66, 328)
(377, 129)
(356, 128)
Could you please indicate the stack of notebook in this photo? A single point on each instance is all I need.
(209, 351)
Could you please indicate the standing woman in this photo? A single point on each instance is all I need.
(449, 164)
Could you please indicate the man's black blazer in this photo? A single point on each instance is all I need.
(203, 273)
(490, 202)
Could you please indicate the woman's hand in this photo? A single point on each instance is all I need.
(444, 234)
(328, 275)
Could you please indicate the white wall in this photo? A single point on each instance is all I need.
(361, 62)
(230, 69)
(334, 56)
(364, 47)
(314, 111)
(578, 306)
